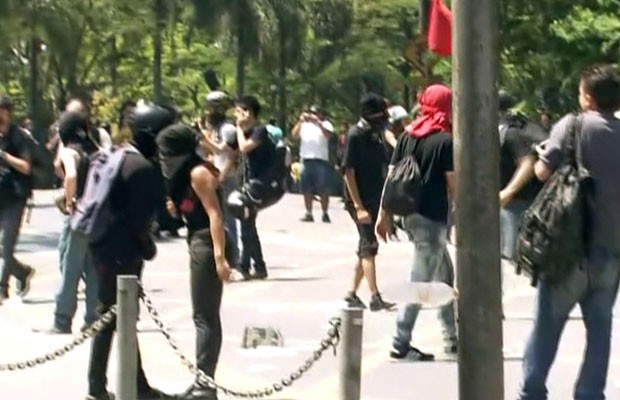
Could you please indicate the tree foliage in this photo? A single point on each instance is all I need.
(291, 53)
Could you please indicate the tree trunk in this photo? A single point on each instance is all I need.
(241, 59)
(158, 50)
(241, 47)
(282, 64)
(33, 92)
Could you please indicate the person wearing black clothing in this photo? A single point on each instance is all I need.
(258, 159)
(134, 197)
(365, 166)
(195, 193)
(75, 257)
(518, 137)
(15, 189)
(429, 141)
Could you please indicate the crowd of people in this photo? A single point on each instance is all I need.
(216, 177)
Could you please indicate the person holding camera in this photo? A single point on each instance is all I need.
(314, 133)
(15, 189)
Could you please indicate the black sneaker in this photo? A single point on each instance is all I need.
(153, 394)
(354, 302)
(307, 218)
(378, 304)
(103, 396)
(412, 354)
(22, 286)
(259, 276)
(326, 218)
(197, 392)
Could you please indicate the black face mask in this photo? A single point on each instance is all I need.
(145, 143)
(216, 119)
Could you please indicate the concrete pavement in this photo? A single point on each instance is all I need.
(310, 269)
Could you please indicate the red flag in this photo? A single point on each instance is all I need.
(440, 29)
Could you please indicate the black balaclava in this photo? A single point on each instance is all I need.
(177, 145)
(73, 130)
(146, 122)
(374, 111)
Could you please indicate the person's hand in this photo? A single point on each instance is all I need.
(243, 117)
(363, 217)
(224, 272)
(505, 198)
(172, 209)
(382, 227)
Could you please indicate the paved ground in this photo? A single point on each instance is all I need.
(310, 267)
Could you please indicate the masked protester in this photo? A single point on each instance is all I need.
(15, 189)
(195, 194)
(134, 197)
(75, 256)
(428, 139)
(365, 165)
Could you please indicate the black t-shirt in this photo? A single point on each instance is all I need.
(517, 139)
(135, 196)
(259, 162)
(365, 153)
(435, 156)
(15, 185)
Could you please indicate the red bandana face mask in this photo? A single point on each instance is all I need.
(435, 112)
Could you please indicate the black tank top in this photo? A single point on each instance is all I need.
(192, 211)
(83, 164)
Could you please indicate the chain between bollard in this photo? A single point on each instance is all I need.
(330, 342)
(93, 330)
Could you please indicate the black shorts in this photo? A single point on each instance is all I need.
(368, 245)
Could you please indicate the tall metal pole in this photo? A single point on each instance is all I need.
(475, 70)
(351, 354)
(126, 320)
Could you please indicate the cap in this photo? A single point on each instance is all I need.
(397, 113)
(506, 101)
(372, 104)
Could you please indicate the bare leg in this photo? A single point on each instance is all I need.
(370, 272)
(325, 203)
(359, 275)
(308, 202)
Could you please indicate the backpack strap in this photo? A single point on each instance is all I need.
(572, 149)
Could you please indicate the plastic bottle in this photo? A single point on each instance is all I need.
(430, 294)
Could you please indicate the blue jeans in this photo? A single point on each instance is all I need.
(76, 262)
(510, 222)
(594, 287)
(431, 263)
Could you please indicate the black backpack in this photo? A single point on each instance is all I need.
(552, 239)
(403, 186)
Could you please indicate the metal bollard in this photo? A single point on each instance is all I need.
(351, 354)
(126, 320)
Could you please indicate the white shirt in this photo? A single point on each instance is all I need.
(105, 140)
(314, 144)
(226, 133)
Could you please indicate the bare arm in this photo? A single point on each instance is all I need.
(390, 138)
(245, 145)
(349, 179)
(211, 146)
(21, 165)
(542, 171)
(205, 183)
(523, 174)
(297, 129)
(68, 160)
